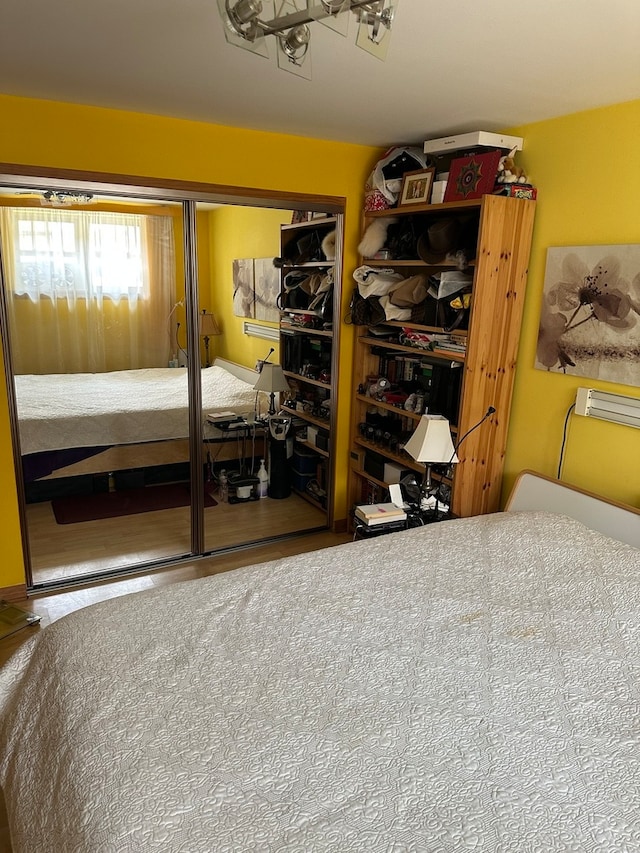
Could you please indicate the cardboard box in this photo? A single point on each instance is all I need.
(437, 192)
(516, 191)
(472, 140)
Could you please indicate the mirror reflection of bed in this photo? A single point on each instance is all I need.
(103, 420)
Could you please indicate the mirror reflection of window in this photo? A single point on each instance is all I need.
(96, 285)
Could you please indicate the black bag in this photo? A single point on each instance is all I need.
(402, 239)
(297, 291)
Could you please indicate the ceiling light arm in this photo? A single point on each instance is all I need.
(243, 17)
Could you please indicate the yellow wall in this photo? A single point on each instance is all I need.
(101, 140)
(586, 169)
(240, 232)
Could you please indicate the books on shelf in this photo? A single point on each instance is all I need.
(380, 513)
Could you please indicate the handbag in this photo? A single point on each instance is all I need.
(364, 312)
(298, 290)
(451, 299)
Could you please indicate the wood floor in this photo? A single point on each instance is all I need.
(55, 605)
(60, 551)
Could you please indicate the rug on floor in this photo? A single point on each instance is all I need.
(76, 508)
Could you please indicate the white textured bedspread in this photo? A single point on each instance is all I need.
(469, 686)
(65, 410)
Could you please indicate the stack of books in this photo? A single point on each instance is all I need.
(382, 513)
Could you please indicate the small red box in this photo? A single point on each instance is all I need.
(517, 191)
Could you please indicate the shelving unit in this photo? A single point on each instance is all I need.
(309, 357)
(468, 382)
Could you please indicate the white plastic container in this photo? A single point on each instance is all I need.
(263, 480)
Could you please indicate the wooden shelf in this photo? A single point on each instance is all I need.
(485, 371)
(298, 377)
(380, 404)
(306, 417)
(309, 224)
(448, 207)
(360, 472)
(315, 449)
(412, 262)
(404, 460)
(445, 355)
(305, 330)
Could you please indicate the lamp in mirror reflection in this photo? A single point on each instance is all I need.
(431, 443)
(208, 329)
(247, 23)
(272, 380)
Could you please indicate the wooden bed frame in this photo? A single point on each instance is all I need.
(533, 491)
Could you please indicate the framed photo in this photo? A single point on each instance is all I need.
(416, 187)
(300, 216)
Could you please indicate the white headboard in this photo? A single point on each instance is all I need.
(244, 373)
(534, 491)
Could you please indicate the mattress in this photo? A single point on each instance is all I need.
(471, 685)
(76, 410)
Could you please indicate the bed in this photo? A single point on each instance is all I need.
(469, 685)
(67, 418)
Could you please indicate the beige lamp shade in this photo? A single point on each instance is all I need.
(208, 325)
(271, 379)
(431, 441)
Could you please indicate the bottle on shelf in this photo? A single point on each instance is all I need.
(263, 480)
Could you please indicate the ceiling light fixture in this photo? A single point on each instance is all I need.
(244, 27)
(59, 198)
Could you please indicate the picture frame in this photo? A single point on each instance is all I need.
(416, 187)
(299, 216)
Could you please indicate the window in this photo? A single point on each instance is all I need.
(79, 254)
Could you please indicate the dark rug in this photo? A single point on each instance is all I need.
(76, 508)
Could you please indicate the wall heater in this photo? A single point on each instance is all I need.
(257, 330)
(608, 407)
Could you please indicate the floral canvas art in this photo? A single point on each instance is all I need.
(243, 296)
(266, 286)
(590, 316)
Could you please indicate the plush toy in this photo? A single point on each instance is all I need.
(375, 236)
(508, 172)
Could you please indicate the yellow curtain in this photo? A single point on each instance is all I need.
(87, 291)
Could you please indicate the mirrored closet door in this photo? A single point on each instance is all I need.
(95, 294)
(134, 319)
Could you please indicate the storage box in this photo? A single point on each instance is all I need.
(300, 479)
(393, 473)
(312, 433)
(473, 140)
(322, 441)
(304, 461)
(374, 465)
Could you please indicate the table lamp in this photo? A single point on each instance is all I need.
(272, 380)
(208, 328)
(431, 443)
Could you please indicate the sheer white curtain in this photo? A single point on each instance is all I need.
(87, 291)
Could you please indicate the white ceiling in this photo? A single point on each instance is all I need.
(453, 65)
